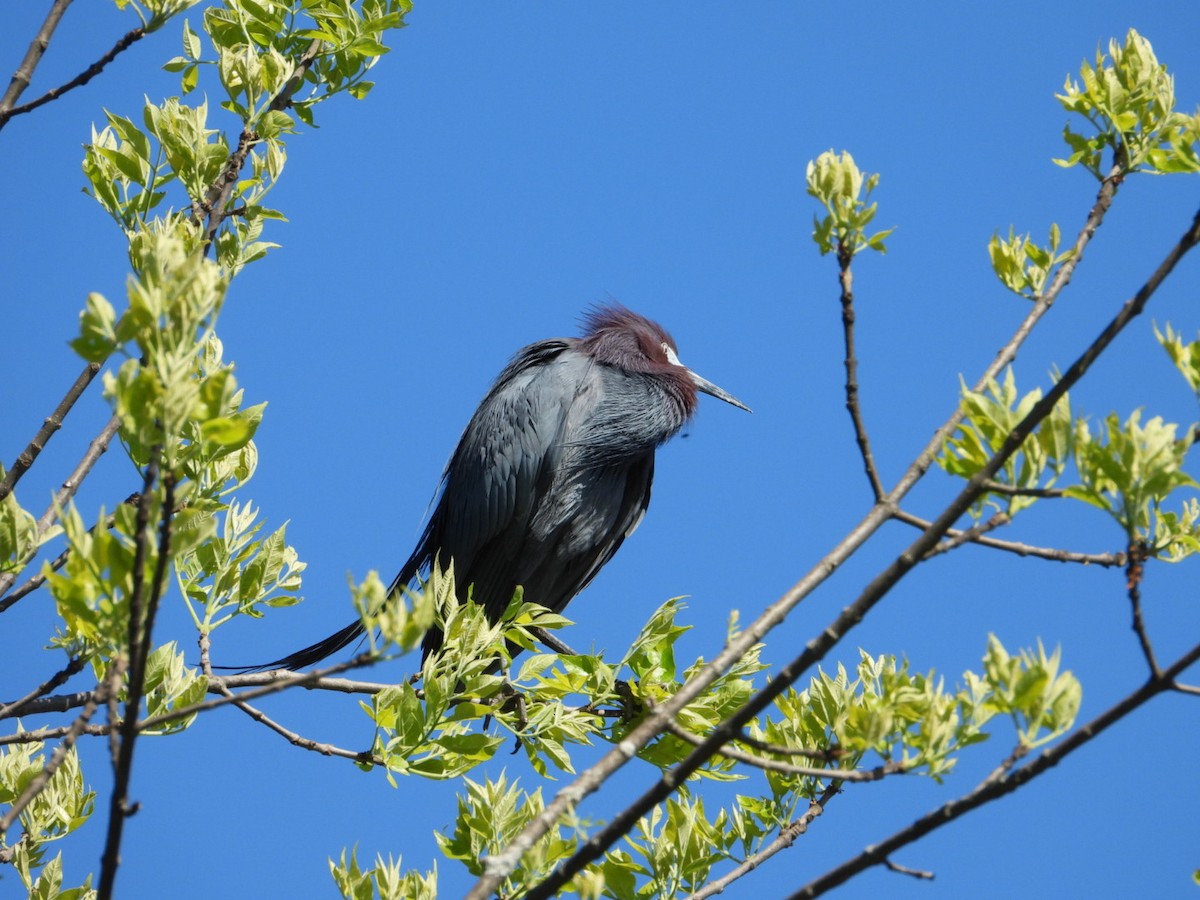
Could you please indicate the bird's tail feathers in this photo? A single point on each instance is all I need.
(302, 659)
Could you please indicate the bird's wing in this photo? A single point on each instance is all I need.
(502, 468)
(577, 555)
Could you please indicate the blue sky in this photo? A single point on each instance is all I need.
(517, 164)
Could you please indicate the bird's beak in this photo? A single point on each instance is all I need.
(703, 384)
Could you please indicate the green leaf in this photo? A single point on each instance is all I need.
(191, 42)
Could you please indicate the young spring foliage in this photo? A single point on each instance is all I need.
(989, 418)
(1128, 97)
(18, 534)
(62, 806)
(879, 715)
(843, 189)
(1023, 266)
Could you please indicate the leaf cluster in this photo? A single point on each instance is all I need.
(989, 417)
(843, 189)
(1128, 98)
(1023, 266)
(59, 809)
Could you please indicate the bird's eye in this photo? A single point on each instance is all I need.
(672, 358)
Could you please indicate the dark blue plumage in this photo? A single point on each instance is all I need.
(553, 471)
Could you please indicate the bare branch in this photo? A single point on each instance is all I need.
(79, 80)
(787, 837)
(41, 735)
(905, 870)
(956, 538)
(294, 738)
(998, 785)
(143, 607)
(271, 682)
(19, 707)
(846, 279)
(119, 808)
(27, 456)
(24, 74)
(1008, 490)
(1108, 560)
(1192, 689)
(1138, 553)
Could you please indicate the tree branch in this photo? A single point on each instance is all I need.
(1000, 783)
(17, 707)
(79, 80)
(905, 870)
(787, 836)
(24, 74)
(956, 538)
(294, 738)
(846, 280)
(1107, 560)
(832, 754)
(274, 681)
(27, 456)
(1138, 553)
(1009, 490)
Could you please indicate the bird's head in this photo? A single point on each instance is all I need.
(619, 337)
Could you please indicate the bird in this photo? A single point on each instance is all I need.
(553, 471)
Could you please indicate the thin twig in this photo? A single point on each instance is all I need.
(498, 866)
(832, 754)
(24, 74)
(53, 422)
(1008, 490)
(905, 870)
(41, 735)
(787, 836)
(878, 588)
(993, 788)
(967, 535)
(294, 738)
(18, 707)
(79, 80)
(1138, 553)
(64, 494)
(1192, 689)
(1107, 560)
(266, 682)
(774, 765)
(845, 256)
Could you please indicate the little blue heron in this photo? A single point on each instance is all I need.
(553, 471)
